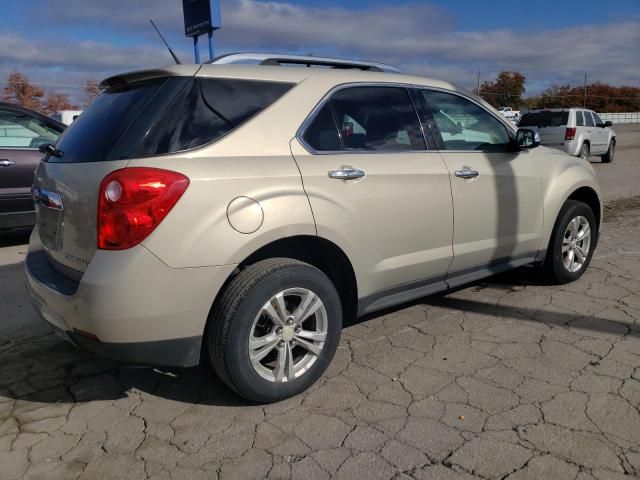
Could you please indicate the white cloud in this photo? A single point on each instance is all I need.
(419, 38)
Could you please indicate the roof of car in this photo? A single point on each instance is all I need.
(32, 113)
(281, 73)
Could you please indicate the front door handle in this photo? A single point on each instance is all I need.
(346, 173)
(467, 173)
(6, 163)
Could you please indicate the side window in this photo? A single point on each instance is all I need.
(464, 125)
(588, 119)
(579, 119)
(377, 118)
(322, 133)
(597, 119)
(21, 131)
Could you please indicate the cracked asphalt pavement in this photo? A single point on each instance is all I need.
(506, 378)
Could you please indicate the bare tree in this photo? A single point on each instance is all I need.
(54, 102)
(19, 90)
(91, 91)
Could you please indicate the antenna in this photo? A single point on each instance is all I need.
(175, 58)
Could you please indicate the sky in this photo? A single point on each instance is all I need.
(62, 43)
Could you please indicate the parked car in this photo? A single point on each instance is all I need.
(577, 131)
(66, 116)
(510, 114)
(22, 131)
(242, 212)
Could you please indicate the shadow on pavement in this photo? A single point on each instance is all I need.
(46, 369)
(14, 237)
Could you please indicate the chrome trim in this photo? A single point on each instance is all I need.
(346, 173)
(47, 198)
(467, 173)
(7, 163)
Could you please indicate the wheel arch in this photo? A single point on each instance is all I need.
(316, 251)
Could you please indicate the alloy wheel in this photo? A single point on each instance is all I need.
(288, 335)
(576, 244)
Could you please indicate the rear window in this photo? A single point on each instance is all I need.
(544, 119)
(164, 116)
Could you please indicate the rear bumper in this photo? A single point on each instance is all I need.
(128, 305)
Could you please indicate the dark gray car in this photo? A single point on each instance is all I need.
(22, 131)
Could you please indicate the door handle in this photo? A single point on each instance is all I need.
(346, 173)
(6, 163)
(467, 173)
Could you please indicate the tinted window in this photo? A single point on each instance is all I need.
(463, 125)
(579, 119)
(18, 130)
(163, 116)
(589, 119)
(322, 133)
(377, 118)
(546, 118)
(597, 119)
(206, 110)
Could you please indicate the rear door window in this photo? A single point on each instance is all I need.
(164, 116)
(579, 119)
(377, 118)
(322, 133)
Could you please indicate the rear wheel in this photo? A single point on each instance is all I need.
(275, 329)
(608, 157)
(584, 152)
(572, 243)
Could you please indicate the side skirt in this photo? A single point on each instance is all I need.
(429, 286)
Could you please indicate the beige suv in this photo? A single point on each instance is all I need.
(239, 213)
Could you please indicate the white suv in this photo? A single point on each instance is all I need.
(577, 131)
(237, 214)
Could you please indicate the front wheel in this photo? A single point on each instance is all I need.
(572, 243)
(608, 157)
(275, 329)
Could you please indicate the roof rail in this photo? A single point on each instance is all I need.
(279, 59)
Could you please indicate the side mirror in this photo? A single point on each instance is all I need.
(608, 123)
(527, 138)
(46, 148)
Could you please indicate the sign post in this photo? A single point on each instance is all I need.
(201, 17)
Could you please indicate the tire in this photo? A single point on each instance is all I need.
(240, 313)
(584, 152)
(555, 269)
(608, 157)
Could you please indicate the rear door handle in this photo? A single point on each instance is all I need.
(346, 173)
(467, 173)
(6, 163)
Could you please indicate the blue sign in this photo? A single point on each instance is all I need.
(201, 16)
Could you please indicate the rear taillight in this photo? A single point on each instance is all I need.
(570, 133)
(133, 202)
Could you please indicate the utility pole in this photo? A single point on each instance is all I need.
(584, 100)
(478, 84)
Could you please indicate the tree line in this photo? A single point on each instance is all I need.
(18, 89)
(508, 90)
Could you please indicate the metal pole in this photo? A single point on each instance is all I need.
(584, 100)
(478, 84)
(196, 49)
(210, 35)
